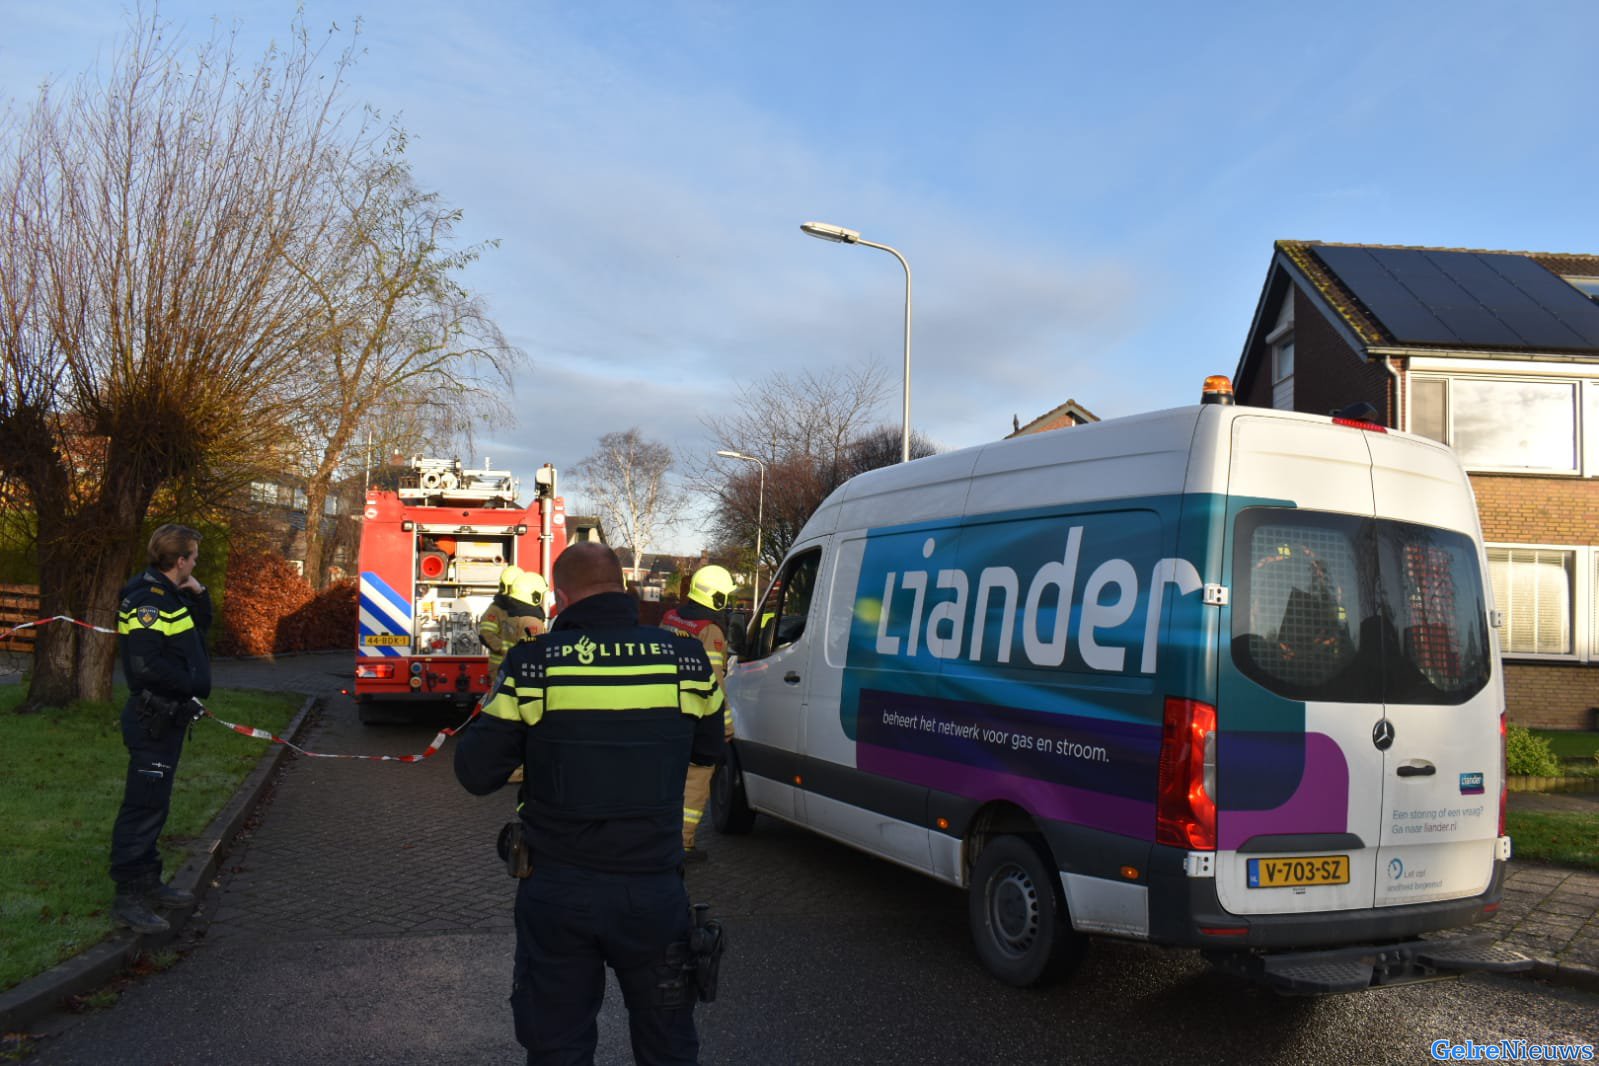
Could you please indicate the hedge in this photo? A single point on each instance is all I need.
(270, 608)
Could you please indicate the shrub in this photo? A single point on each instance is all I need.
(1529, 754)
(263, 589)
(326, 621)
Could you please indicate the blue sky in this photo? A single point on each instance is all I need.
(1087, 194)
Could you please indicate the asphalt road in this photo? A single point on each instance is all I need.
(365, 919)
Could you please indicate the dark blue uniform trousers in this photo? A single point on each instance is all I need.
(571, 923)
(146, 799)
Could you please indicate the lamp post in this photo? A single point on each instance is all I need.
(760, 517)
(839, 235)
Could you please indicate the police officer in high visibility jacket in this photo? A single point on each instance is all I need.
(709, 593)
(491, 628)
(161, 626)
(606, 716)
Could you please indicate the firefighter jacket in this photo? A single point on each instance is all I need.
(162, 632)
(696, 620)
(504, 623)
(605, 716)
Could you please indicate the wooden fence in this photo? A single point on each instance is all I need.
(18, 603)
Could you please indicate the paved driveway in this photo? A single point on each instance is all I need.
(365, 919)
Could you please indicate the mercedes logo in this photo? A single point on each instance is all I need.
(1382, 734)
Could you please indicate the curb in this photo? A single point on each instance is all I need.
(1565, 974)
(39, 995)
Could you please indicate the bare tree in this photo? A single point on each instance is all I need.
(151, 331)
(626, 482)
(403, 350)
(813, 432)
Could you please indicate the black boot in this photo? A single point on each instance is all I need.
(131, 910)
(168, 898)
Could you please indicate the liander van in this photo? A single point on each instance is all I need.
(1217, 677)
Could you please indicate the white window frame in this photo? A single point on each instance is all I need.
(1586, 396)
(1584, 604)
(1278, 340)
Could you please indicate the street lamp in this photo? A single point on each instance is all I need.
(840, 235)
(760, 517)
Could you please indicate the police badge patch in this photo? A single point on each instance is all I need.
(147, 616)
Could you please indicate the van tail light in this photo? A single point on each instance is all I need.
(1504, 782)
(375, 671)
(1185, 804)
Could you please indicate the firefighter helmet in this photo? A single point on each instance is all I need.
(530, 588)
(712, 586)
(508, 577)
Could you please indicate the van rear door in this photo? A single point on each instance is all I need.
(1441, 765)
(1298, 793)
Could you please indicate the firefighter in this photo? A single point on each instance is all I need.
(161, 626)
(605, 715)
(702, 617)
(491, 628)
(527, 618)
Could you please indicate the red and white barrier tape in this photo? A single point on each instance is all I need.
(432, 748)
(55, 618)
(262, 734)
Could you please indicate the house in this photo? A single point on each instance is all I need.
(1070, 413)
(1497, 355)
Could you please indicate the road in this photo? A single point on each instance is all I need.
(365, 919)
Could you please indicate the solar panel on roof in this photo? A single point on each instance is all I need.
(1572, 315)
(1471, 299)
(1374, 285)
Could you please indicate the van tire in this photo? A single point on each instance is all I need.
(1018, 915)
(730, 809)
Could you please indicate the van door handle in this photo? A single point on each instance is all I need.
(1420, 768)
(791, 678)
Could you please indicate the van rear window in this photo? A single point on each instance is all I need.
(1338, 608)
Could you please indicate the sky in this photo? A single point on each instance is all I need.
(1087, 194)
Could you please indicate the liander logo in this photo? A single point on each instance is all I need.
(1007, 610)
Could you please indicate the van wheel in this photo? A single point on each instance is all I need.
(1018, 915)
(730, 809)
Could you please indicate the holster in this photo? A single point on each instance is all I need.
(155, 713)
(513, 849)
(705, 945)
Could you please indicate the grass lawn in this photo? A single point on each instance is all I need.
(1568, 744)
(1570, 838)
(60, 786)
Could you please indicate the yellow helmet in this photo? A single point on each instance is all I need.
(508, 577)
(712, 586)
(530, 588)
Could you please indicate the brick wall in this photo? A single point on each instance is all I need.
(1538, 510)
(1551, 697)
(1328, 374)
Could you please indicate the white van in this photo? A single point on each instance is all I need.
(1216, 677)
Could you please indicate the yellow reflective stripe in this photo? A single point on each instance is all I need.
(698, 706)
(516, 704)
(493, 627)
(167, 624)
(664, 669)
(610, 697)
(691, 816)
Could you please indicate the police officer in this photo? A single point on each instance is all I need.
(491, 628)
(161, 626)
(709, 593)
(606, 716)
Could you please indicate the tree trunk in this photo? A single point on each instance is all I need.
(316, 494)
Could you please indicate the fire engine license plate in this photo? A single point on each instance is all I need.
(384, 640)
(1299, 872)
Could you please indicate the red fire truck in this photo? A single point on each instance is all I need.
(431, 555)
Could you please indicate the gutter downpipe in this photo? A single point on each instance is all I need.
(1393, 395)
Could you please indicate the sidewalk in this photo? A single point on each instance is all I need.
(1551, 913)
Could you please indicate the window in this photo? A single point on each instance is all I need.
(1513, 425)
(263, 492)
(1534, 591)
(780, 620)
(1282, 374)
(1345, 609)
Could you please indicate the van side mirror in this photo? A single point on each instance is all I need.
(737, 633)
